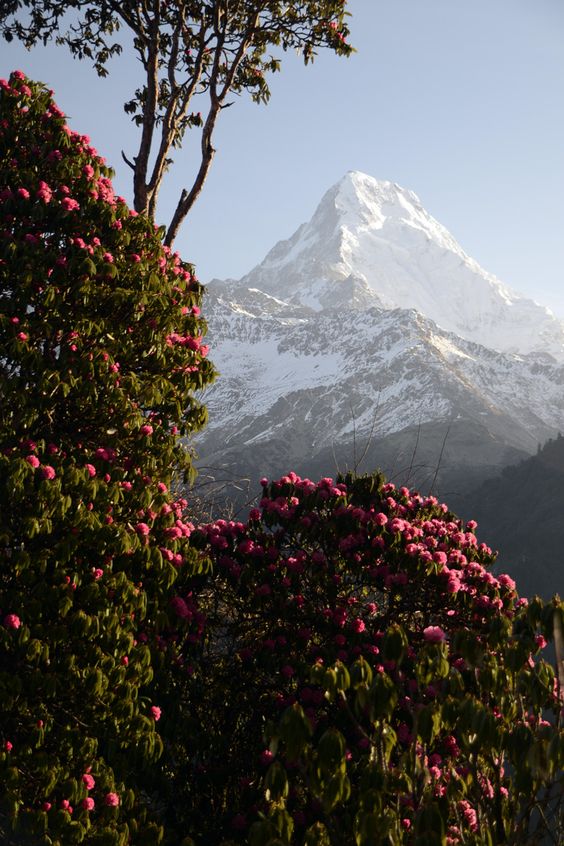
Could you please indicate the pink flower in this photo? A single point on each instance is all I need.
(454, 584)
(44, 192)
(111, 799)
(88, 803)
(66, 805)
(88, 781)
(147, 429)
(46, 806)
(91, 470)
(266, 757)
(506, 581)
(469, 813)
(180, 608)
(48, 472)
(22, 336)
(32, 460)
(69, 204)
(97, 572)
(434, 634)
(8, 746)
(540, 641)
(156, 712)
(23, 193)
(358, 626)
(12, 621)
(142, 529)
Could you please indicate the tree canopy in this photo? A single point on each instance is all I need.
(101, 352)
(194, 55)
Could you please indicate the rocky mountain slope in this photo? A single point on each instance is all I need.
(369, 338)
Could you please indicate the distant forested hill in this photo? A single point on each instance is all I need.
(521, 514)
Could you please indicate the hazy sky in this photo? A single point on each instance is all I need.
(459, 100)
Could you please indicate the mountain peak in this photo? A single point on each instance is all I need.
(359, 187)
(371, 243)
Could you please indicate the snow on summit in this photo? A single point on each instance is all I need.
(372, 243)
(371, 325)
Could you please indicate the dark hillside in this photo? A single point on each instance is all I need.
(521, 514)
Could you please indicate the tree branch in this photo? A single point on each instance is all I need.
(173, 117)
(149, 118)
(127, 161)
(188, 198)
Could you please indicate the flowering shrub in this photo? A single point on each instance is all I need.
(372, 681)
(350, 672)
(101, 351)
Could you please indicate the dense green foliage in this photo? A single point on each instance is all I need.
(101, 352)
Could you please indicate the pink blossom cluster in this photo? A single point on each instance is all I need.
(88, 803)
(327, 570)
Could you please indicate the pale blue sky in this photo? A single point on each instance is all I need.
(459, 100)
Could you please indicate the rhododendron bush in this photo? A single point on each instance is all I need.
(101, 351)
(373, 682)
(342, 669)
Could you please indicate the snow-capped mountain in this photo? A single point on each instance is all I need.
(370, 330)
(371, 243)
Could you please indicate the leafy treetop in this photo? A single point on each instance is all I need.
(194, 55)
